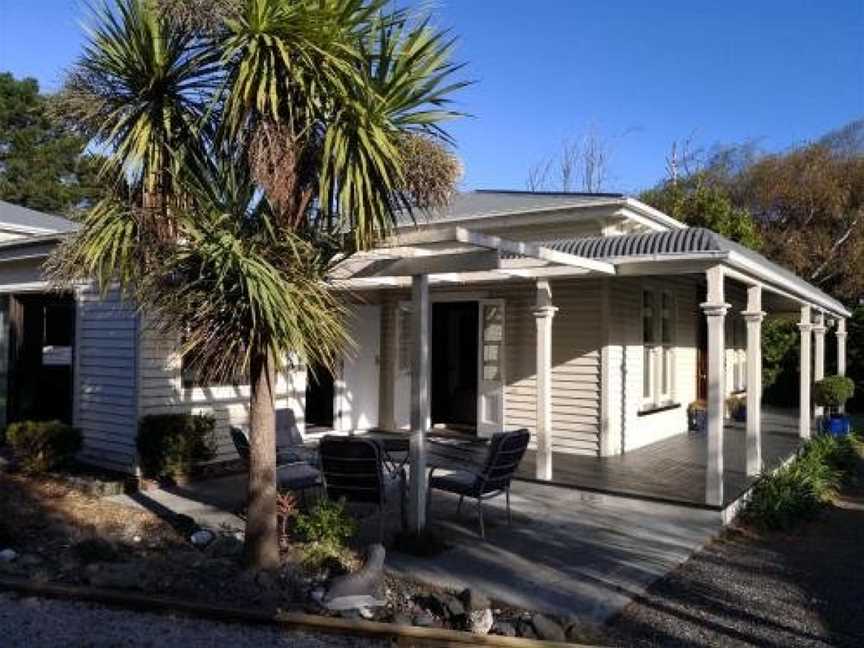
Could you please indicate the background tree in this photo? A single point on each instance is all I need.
(43, 165)
(260, 140)
(581, 165)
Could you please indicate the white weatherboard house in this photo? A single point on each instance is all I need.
(593, 320)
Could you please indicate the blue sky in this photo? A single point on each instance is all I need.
(643, 74)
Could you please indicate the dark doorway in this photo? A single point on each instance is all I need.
(41, 340)
(701, 358)
(320, 392)
(454, 364)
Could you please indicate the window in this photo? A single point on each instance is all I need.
(658, 342)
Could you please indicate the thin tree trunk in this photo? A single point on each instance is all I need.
(262, 541)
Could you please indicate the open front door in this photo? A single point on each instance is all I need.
(490, 387)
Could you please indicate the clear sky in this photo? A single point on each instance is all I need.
(643, 73)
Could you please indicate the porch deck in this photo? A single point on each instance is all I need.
(673, 470)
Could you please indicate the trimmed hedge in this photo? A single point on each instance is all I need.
(833, 391)
(40, 446)
(172, 445)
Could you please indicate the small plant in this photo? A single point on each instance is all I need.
(737, 408)
(40, 446)
(286, 511)
(173, 445)
(326, 529)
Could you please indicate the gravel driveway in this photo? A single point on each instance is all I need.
(789, 590)
(43, 623)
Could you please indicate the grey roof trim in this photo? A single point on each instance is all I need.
(693, 240)
(23, 219)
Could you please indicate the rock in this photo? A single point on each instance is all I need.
(504, 629)
(266, 581)
(8, 555)
(366, 613)
(480, 621)
(547, 629)
(455, 608)
(424, 620)
(360, 589)
(201, 538)
(474, 600)
(525, 629)
(318, 594)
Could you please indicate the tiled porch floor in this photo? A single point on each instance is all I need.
(673, 470)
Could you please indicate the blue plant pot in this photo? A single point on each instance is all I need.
(740, 414)
(697, 420)
(836, 425)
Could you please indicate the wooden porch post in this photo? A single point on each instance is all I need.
(715, 308)
(819, 352)
(543, 315)
(754, 316)
(804, 414)
(420, 413)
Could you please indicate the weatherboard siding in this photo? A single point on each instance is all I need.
(161, 392)
(105, 363)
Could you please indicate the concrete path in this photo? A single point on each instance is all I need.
(567, 553)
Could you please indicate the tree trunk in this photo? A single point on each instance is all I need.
(262, 541)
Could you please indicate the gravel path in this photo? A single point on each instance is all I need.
(44, 623)
(803, 589)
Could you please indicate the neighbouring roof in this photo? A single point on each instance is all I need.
(692, 240)
(32, 221)
(487, 203)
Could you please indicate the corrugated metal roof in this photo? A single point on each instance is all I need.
(22, 216)
(691, 240)
(488, 203)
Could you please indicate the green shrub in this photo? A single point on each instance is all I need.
(171, 445)
(326, 530)
(833, 391)
(40, 446)
(797, 491)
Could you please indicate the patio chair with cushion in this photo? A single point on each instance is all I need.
(354, 468)
(485, 479)
(292, 471)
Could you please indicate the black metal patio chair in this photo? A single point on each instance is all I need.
(486, 479)
(354, 468)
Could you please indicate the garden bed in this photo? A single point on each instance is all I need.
(60, 535)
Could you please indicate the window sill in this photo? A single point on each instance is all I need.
(656, 409)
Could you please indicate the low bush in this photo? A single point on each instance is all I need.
(172, 445)
(796, 492)
(40, 446)
(326, 530)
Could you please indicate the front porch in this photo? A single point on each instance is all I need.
(673, 470)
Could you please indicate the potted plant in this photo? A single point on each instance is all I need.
(832, 392)
(697, 416)
(737, 408)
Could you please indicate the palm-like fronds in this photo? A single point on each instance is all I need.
(141, 91)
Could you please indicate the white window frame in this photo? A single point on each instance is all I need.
(659, 354)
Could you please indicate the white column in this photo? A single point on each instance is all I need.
(819, 352)
(805, 379)
(841, 349)
(754, 316)
(543, 315)
(715, 308)
(420, 413)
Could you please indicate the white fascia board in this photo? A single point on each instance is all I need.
(32, 286)
(806, 294)
(26, 229)
(653, 214)
(524, 248)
